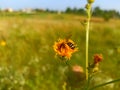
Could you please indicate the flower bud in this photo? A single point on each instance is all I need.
(75, 76)
(90, 1)
(87, 6)
(97, 58)
(95, 69)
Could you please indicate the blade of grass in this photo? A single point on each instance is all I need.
(113, 81)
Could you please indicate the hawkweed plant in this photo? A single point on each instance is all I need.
(75, 75)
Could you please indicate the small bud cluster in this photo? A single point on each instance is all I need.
(94, 67)
(88, 5)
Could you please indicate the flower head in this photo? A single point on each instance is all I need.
(64, 48)
(97, 58)
(94, 67)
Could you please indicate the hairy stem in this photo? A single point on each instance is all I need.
(87, 38)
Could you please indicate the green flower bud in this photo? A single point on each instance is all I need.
(90, 1)
(87, 6)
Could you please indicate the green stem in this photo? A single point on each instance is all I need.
(88, 83)
(87, 39)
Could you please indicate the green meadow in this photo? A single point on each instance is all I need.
(27, 58)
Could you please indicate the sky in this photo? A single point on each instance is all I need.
(58, 4)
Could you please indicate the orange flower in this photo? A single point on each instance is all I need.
(65, 48)
(94, 67)
(97, 58)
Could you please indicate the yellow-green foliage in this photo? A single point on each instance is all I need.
(27, 59)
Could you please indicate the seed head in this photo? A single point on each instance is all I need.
(75, 76)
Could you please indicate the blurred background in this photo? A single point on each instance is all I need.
(29, 29)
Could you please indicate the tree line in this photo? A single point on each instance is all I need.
(97, 12)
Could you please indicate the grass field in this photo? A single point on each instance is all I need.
(27, 59)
